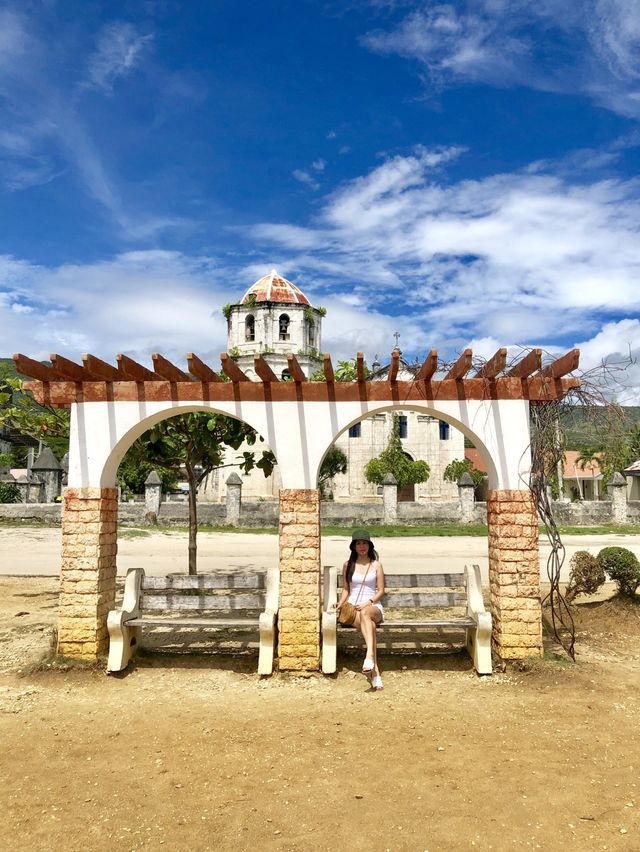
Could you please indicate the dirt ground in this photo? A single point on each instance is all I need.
(197, 752)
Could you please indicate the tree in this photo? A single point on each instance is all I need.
(21, 413)
(197, 443)
(346, 371)
(394, 460)
(454, 470)
(334, 462)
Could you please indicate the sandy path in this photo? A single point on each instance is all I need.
(36, 551)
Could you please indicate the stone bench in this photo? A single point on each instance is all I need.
(202, 601)
(420, 592)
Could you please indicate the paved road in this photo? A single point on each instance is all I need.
(37, 551)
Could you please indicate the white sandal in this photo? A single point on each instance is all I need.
(368, 666)
(376, 682)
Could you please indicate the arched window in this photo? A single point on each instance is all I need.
(250, 328)
(283, 327)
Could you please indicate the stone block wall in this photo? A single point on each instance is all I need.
(88, 571)
(299, 616)
(514, 574)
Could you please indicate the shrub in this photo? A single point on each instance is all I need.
(623, 568)
(586, 575)
(9, 493)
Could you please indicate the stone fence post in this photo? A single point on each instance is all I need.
(390, 499)
(23, 486)
(617, 488)
(153, 492)
(50, 472)
(466, 489)
(234, 499)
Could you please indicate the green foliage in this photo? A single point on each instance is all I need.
(623, 568)
(135, 468)
(346, 371)
(309, 316)
(9, 492)
(612, 444)
(251, 301)
(586, 575)
(226, 311)
(334, 462)
(234, 353)
(393, 460)
(454, 470)
(322, 311)
(22, 414)
(315, 355)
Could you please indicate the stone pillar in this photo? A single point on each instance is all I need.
(299, 616)
(514, 574)
(234, 499)
(23, 486)
(49, 469)
(466, 496)
(88, 573)
(390, 499)
(617, 488)
(152, 492)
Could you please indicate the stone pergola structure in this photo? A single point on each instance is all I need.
(299, 420)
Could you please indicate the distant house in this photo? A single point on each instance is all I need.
(581, 483)
(632, 474)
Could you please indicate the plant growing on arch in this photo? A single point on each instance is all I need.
(394, 460)
(197, 443)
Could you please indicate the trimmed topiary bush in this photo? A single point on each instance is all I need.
(9, 493)
(586, 575)
(623, 568)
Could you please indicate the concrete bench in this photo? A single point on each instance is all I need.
(203, 601)
(419, 592)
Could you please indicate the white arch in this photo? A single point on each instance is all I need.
(299, 433)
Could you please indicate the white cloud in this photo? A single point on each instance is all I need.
(119, 49)
(304, 177)
(319, 165)
(587, 46)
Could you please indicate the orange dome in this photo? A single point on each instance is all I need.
(275, 288)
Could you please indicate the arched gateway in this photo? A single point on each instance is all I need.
(299, 419)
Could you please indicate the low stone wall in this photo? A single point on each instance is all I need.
(265, 514)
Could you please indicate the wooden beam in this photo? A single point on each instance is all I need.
(461, 367)
(429, 367)
(100, 371)
(360, 367)
(231, 369)
(494, 365)
(163, 367)
(34, 369)
(530, 364)
(561, 366)
(67, 370)
(327, 366)
(131, 371)
(393, 367)
(201, 370)
(296, 371)
(263, 369)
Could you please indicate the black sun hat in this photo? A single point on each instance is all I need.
(360, 535)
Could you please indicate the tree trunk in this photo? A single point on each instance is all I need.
(193, 520)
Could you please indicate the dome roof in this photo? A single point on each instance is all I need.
(275, 288)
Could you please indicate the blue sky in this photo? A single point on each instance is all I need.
(465, 173)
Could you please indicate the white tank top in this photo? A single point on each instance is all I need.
(367, 585)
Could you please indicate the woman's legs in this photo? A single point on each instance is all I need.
(366, 620)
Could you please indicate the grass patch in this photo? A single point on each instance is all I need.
(132, 532)
(399, 531)
(558, 658)
(607, 529)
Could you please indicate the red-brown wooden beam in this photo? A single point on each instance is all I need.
(461, 367)
(561, 366)
(167, 370)
(327, 367)
(535, 389)
(360, 367)
(231, 369)
(200, 370)
(132, 371)
(530, 364)
(494, 365)
(394, 366)
(67, 370)
(296, 371)
(429, 367)
(263, 370)
(34, 369)
(100, 371)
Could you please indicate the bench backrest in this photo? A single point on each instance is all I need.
(204, 593)
(417, 591)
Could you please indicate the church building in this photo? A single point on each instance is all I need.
(275, 318)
